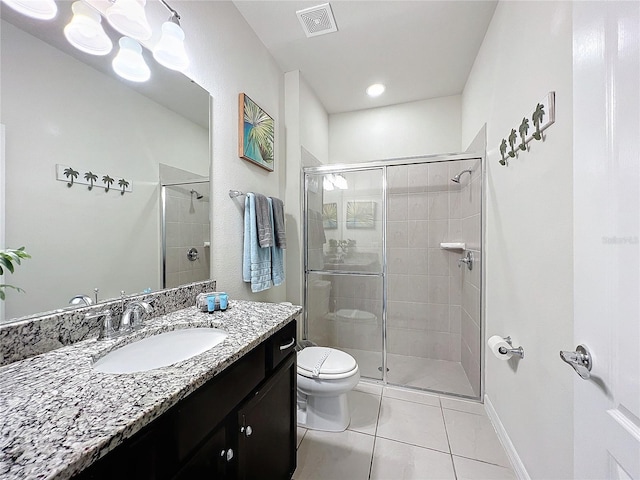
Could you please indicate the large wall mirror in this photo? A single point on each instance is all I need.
(57, 109)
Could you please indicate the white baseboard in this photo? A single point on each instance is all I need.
(514, 458)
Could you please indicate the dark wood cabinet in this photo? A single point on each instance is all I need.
(267, 428)
(240, 424)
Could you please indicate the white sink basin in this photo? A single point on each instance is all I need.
(160, 350)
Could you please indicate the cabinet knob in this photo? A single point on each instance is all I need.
(228, 454)
(246, 430)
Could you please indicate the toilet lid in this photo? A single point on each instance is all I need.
(327, 361)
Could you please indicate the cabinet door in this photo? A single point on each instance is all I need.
(267, 427)
(210, 461)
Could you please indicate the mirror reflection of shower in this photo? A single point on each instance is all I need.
(456, 178)
(185, 228)
(198, 195)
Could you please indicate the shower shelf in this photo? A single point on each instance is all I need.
(457, 246)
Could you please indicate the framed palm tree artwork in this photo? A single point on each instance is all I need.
(361, 214)
(255, 133)
(330, 216)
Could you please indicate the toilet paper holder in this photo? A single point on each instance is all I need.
(513, 351)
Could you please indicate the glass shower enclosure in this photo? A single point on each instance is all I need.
(385, 278)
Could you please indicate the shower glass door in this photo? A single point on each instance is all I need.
(344, 238)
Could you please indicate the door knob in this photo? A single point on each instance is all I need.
(580, 360)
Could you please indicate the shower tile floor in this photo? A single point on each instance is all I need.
(438, 375)
(398, 434)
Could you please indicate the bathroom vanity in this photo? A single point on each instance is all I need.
(229, 412)
(240, 424)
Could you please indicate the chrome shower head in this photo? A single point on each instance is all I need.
(198, 195)
(456, 179)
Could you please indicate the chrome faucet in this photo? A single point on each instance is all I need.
(80, 300)
(131, 316)
(107, 330)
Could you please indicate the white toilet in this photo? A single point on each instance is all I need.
(325, 376)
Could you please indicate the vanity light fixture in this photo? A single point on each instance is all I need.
(85, 31)
(375, 90)
(332, 181)
(129, 18)
(39, 9)
(169, 51)
(327, 184)
(129, 63)
(340, 182)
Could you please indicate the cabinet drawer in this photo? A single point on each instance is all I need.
(281, 344)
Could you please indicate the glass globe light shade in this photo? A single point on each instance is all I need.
(40, 9)
(128, 17)
(85, 31)
(169, 51)
(129, 63)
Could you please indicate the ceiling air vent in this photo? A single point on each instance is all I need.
(317, 20)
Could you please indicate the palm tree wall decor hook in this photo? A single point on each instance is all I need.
(523, 129)
(542, 117)
(90, 177)
(72, 174)
(108, 181)
(537, 117)
(124, 184)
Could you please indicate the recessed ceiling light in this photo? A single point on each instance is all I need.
(375, 90)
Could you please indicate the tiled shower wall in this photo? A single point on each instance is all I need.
(433, 306)
(187, 226)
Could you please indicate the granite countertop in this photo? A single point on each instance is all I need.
(58, 415)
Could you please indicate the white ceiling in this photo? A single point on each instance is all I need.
(419, 49)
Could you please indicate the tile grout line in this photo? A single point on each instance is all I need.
(483, 461)
(446, 431)
(375, 435)
(414, 445)
(373, 451)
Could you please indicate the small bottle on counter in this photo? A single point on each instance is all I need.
(211, 303)
(224, 301)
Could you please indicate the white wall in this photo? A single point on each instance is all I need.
(409, 129)
(227, 59)
(314, 124)
(307, 143)
(82, 239)
(526, 53)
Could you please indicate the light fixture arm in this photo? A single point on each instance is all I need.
(175, 16)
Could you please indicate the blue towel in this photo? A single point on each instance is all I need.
(277, 254)
(256, 261)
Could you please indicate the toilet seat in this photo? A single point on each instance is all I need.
(326, 363)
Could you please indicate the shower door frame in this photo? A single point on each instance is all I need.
(384, 164)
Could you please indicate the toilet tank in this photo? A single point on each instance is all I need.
(318, 298)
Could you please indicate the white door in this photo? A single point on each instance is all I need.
(606, 238)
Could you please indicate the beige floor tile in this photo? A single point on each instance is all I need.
(473, 436)
(463, 405)
(364, 409)
(334, 456)
(467, 469)
(438, 375)
(399, 461)
(413, 423)
(301, 434)
(412, 396)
